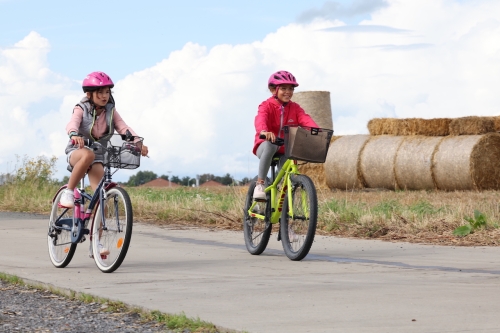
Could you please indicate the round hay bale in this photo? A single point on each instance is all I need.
(377, 161)
(317, 104)
(468, 162)
(413, 164)
(342, 162)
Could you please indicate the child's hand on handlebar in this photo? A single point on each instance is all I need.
(77, 141)
(269, 136)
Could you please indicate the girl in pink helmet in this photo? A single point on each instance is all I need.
(273, 114)
(93, 118)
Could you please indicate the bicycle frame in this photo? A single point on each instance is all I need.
(82, 216)
(288, 168)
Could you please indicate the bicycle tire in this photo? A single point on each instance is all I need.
(61, 250)
(302, 226)
(116, 237)
(256, 231)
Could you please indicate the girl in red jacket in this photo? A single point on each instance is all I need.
(275, 113)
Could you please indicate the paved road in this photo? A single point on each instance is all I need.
(343, 285)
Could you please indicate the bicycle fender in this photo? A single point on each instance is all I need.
(111, 185)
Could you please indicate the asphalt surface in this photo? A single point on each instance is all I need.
(343, 285)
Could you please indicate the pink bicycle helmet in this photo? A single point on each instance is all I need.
(96, 80)
(282, 77)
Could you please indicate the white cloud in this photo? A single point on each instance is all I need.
(414, 58)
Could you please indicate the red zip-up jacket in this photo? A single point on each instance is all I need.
(268, 119)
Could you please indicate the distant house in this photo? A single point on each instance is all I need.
(211, 183)
(159, 182)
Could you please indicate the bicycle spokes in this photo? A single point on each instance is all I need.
(111, 234)
(61, 249)
(298, 221)
(256, 225)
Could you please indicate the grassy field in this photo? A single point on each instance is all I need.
(412, 216)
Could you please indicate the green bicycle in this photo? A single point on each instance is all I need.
(291, 197)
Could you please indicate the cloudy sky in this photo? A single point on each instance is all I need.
(190, 75)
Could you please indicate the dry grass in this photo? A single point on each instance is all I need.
(412, 216)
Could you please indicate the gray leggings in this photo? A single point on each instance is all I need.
(265, 152)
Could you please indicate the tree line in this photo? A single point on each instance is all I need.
(142, 177)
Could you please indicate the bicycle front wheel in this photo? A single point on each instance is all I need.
(256, 231)
(111, 239)
(298, 221)
(61, 250)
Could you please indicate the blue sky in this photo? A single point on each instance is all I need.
(190, 75)
(127, 36)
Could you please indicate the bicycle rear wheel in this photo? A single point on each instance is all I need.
(61, 250)
(116, 233)
(297, 230)
(255, 230)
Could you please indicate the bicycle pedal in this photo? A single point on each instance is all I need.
(86, 231)
(83, 239)
(261, 200)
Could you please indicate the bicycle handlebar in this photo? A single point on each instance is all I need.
(277, 142)
(94, 145)
(89, 143)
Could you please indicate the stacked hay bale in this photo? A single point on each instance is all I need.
(342, 166)
(411, 126)
(472, 125)
(468, 162)
(413, 164)
(419, 154)
(377, 161)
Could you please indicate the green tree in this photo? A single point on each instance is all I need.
(225, 180)
(206, 177)
(246, 180)
(164, 177)
(176, 179)
(185, 180)
(141, 177)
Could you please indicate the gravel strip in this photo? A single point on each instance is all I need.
(27, 309)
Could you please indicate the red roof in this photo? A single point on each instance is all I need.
(159, 182)
(211, 183)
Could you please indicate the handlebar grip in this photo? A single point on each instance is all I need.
(278, 141)
(133, 148)
(86, 143)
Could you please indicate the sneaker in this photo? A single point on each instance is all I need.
(258, 192)
(102, 250)
(67, 199)
(292, 236)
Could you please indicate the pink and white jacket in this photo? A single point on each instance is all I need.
(269, 118)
